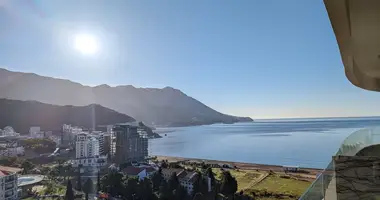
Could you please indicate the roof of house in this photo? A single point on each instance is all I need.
(150, 169)
(130, 170)
(189, 176)
(170, 171)
(183, 175)
(3, 173)
(5, 169)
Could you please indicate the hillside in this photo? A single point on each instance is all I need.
(165, 107)
(21, 115)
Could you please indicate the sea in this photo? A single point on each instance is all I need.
(298, 142)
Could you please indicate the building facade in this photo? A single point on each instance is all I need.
(104, 143)
(97, 162)
(130, 145)
(12, 151)
(86, 146)
(187, 179)
(8, 178)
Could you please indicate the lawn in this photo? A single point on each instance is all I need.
(276, 184)
(244, 177)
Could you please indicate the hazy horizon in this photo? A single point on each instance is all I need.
(262, 59)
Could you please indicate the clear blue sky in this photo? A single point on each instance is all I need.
(264, 59)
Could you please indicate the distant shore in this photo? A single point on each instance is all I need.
(201, 124)
(240, 165)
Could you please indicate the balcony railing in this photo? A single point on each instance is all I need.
(324, 186)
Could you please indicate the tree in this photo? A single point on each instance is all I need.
(49, 188)
(164, 164)
(68, 170)
(210, 175)
(88, 187)
(229, 184)
(157, 178)
(53, 173)
(112, 183)
(180, 193)
(165, 192)
(26, 166)
(98, 188)
(131, 184)
(79, 180)
(69, 191)
(200, 185)
(173, 181)
(145, 191)
(198, 196)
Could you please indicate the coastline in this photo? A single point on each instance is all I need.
(200, 124)
(241, 165)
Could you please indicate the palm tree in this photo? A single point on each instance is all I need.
(88, 187)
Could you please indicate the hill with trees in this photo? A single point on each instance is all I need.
(21, 115)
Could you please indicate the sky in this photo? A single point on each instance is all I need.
(263, 59)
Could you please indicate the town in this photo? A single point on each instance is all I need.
(113, 162)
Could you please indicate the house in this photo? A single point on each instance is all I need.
(187, 179)
(140, 173)
(150, 171)
(291, 168)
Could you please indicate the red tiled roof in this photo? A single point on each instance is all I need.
(132, 170)
(10, 169)
(3, 173)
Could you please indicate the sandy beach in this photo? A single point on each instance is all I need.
(306, 172)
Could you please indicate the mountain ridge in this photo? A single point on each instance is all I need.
(164, 107)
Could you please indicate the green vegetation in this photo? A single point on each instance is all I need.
(69, 194)
(234, 184)
(38, 145)
(280, 185)
(53, 188)
(245, 178)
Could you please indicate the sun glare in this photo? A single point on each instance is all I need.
(86, 44)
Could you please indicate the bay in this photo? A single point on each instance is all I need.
(302, 142)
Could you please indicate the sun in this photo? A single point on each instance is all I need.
(86, 44)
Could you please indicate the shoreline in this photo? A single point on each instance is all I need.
(202, 124)
(240, 165)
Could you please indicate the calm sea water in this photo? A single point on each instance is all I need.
(303, 142)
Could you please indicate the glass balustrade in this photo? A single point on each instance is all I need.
(324, 185)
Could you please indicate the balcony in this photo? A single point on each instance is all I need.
(325, 186)
(9, 186)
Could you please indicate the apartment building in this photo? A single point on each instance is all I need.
(104, 143)
(86, 146)
(130, 145)
(8, 180)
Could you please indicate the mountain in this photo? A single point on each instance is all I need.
(21, 115)
(164, 107)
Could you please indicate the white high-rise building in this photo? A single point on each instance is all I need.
(35, 131)
(8, 178)
(86, 146)
(92, 147)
